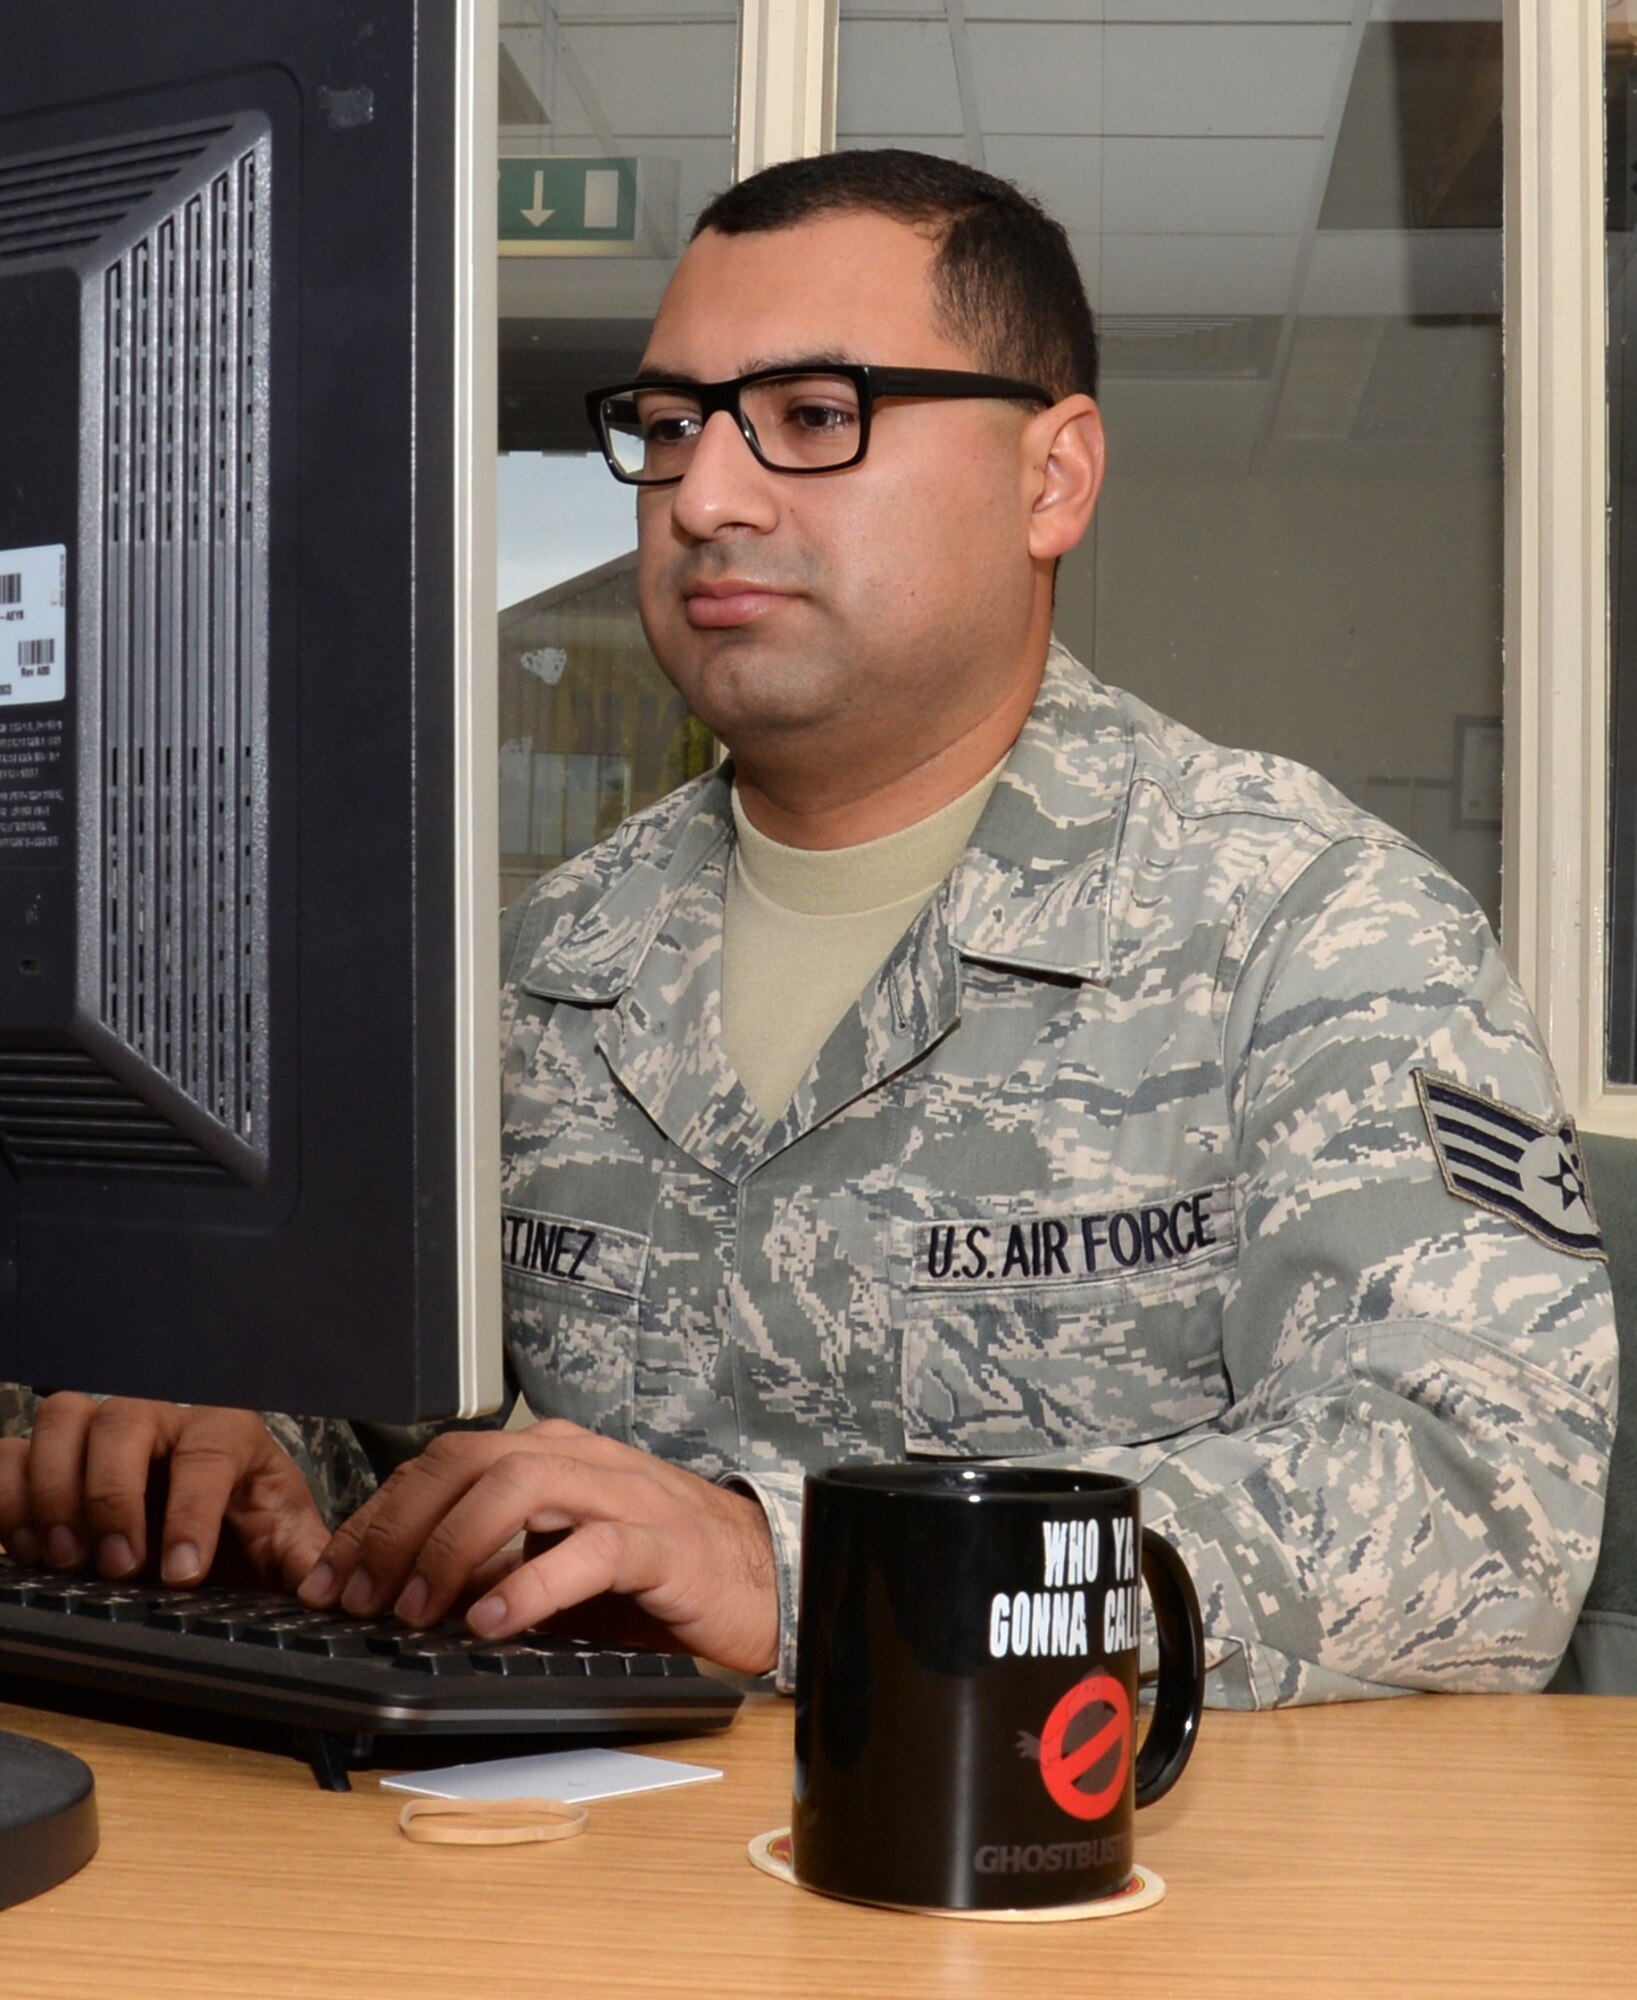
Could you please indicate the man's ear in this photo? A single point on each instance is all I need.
(1063, 464)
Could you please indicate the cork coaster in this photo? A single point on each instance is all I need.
(770, 1852)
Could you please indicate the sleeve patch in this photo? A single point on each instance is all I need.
(1513, 1165)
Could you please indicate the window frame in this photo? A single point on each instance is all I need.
(1554, 862)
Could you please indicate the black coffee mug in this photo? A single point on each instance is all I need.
(966, 1684)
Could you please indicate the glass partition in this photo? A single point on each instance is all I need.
(1288, 217)
(616, 128)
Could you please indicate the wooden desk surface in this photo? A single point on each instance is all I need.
(1474, 1846)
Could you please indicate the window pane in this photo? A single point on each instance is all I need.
(616, 124)
(1289, 222)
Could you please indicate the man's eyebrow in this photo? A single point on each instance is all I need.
(791, 364)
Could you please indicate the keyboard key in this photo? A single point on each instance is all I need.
(439, 1656)
(58, 1597)
(117, 1607)
(283, 1629)
(336, 1642)
(227, 1625)
(518, 1661)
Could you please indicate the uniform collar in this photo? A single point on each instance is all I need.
(1031, 891)
(593, 956)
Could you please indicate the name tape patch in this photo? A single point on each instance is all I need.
(1513, 1165)
(1046, 1250)
(571, 1252)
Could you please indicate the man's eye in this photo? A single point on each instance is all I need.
(670, 427)
(820, 417)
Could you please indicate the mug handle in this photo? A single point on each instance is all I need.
(1181, 1694)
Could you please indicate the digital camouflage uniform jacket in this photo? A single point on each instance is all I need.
(1121, 1162)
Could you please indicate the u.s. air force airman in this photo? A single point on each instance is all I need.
(1180, 1137)
(1184, 1121)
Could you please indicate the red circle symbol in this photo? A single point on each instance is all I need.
(1063, 1769)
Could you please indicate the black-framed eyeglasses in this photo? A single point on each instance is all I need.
(794, 420)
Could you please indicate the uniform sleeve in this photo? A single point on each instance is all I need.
(1407, 1490)
(780, 1495)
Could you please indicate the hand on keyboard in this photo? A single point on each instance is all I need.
(123, 1486)
(692, 1555)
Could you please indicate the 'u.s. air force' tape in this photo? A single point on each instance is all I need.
(1511, 1164)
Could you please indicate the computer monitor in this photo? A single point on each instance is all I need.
(249, 1146)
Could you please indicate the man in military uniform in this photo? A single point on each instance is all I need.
(980, 1065)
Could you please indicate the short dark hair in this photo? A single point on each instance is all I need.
(1005, 283)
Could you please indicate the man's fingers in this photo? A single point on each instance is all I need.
(538, 1490)
(300, 1551)
(368, 1559)
(56, 1479)
(121, 1443)
(598, 1558)
(19, 1538)
(206, 1467)
(227, 1470)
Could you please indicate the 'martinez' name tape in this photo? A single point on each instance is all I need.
(567, 1250)
(1074, 1249)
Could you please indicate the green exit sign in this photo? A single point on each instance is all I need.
(552, 206)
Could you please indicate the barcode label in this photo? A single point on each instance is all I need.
(34, 649)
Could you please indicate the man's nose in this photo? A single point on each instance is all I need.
(725, 486)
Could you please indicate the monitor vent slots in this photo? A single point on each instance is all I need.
(183, 644)
(61, 1112)
(67, 201)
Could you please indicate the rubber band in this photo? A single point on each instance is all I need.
(490, 1822)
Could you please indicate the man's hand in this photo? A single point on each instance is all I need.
(692, 1556)
(81, 1489)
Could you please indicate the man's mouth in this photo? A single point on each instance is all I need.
(727, 601)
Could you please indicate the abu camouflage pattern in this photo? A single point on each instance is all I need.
(338, 1475)
(17, 1406)
(1118, 1162)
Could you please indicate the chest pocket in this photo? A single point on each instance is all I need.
(1035, 1330)
(573, 1292)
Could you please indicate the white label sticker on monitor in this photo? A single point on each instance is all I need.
(33, 625)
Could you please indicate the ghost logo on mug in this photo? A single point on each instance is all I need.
(1085, 1748)
(953, 1617)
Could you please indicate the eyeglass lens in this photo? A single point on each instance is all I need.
(802, 423)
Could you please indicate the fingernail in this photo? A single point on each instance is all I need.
(115, 1556)
(411, 1607)
(487, 1613)
(359, 1593)
(318, 1585)
(63, 1548)
(181, 1564)
(24, 1544)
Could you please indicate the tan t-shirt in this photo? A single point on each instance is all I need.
(806, 928)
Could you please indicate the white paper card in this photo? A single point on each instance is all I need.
(575, 1776)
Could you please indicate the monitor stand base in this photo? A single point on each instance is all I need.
(48, 1817)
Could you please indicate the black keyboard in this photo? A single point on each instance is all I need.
(339, 1681)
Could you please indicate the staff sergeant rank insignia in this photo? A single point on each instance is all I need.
(1511, 1164)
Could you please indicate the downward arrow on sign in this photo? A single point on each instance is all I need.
(538, 213)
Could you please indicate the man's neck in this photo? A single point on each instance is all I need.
(828, 802)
